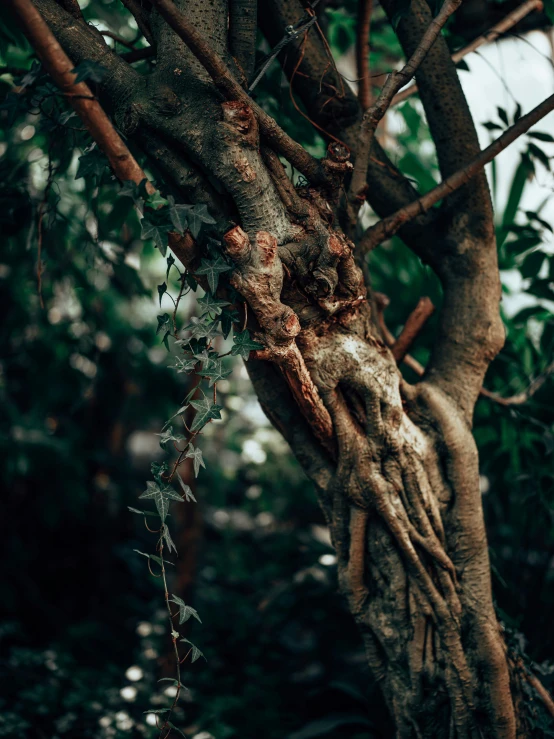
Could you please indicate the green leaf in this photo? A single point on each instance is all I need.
(539, 155)
(196, 653)
(92, 164)
(212, 305)
(157, 710)
(186, 490)
(195, 454)
(155, 226)
(149, 514)
(503, 116)
(212, 270)
(185, 612)
(170, 263)
(206, 410)
(228, 317)
(178, 215)
(161, 497)
(540, 136)
(532, 264)
(184, 365)
(153, 557)
(197, 215)
(163, 321)
(89, 70)
(200, 328)
(243, 344)
(156, 201)
(168, 540)
(214, 373)
(162, 289)
(168, 435)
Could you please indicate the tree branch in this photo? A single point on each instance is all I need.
(488, 37)
(243, 26)
(415, 322)
(59, 66)
(142, 18)
(394, 82)
(365, 9)
(230, 88)
(386, 228)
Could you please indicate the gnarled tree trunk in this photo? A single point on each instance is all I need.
(395, 465)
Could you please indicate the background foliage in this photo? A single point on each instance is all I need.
(85, 386)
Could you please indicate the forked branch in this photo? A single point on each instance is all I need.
(489, 36)
(386, 228)
(394, 82)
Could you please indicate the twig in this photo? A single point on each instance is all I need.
(231, 89)
(118, 39)
(491, 35)
(59, 66)
(137, 55)
(541, 690)
(141, 16)
(394, 82)
(381, 302)
(416, 320)
(386, 228)
(365, 8)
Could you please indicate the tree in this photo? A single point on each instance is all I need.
(394, 464)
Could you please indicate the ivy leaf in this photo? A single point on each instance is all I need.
(212, 270)
(89, 70)
(196, 216)
(228, 317)
(168, 435)
(149, 514)
(161, 497)
(162, 289)
(196, 653)
(212, 305)
(153, 557)
(206, 411)
(170, 263)
(163, 321)
(92, 164)
(178, 215)
(191, 282)
(155, 492)
(186, 490)
(165, 340)
(155, 200)
(200, 328)
(195, 454)
(243, 344)
(168, 540)
(185, 612)
(156, 227)
(215, 373)
(184, 365)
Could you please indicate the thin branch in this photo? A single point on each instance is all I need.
(416, 320)
(118, 39)
(386, 228)
(59, 66)
(365, 8)
(541, 690)
(137, 55)
(230, 88)
(382, 301)
(488, 37)
(142, 17)
(394, 82)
